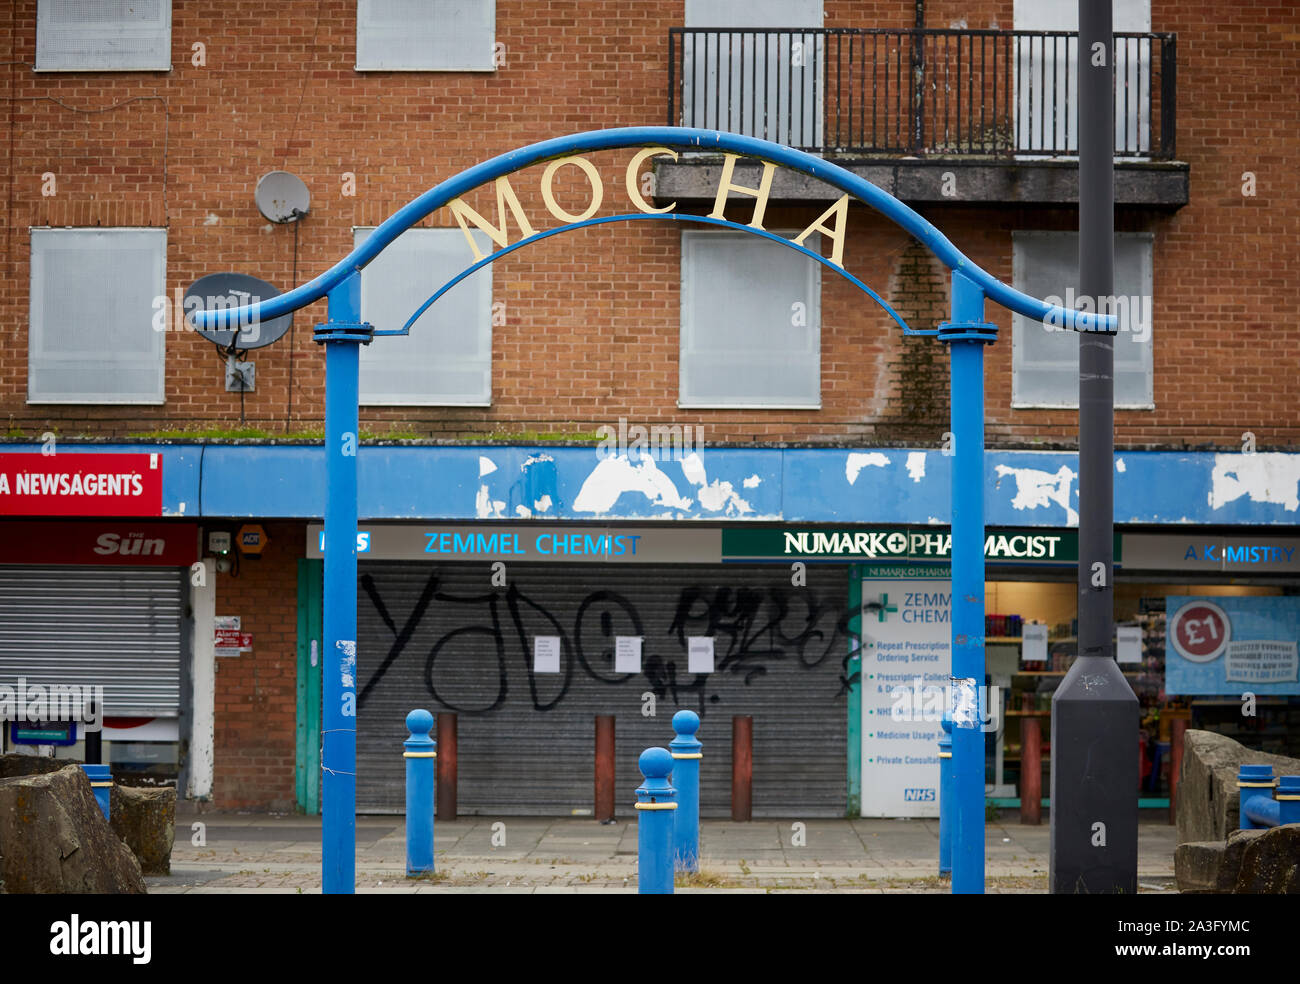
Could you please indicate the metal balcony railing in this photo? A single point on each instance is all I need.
(917, 92)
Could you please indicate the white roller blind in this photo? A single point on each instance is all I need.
(751, 322)
(103, 35)
(446, 360)
(92, 338)
(426, 35)
(1045, 362)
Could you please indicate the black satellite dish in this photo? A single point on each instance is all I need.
(228, 291)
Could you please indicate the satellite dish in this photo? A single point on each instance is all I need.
(282, 197)
(227, 291)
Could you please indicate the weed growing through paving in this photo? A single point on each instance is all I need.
(704, 878)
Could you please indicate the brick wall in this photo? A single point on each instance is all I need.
(592, 318)
(256, 692)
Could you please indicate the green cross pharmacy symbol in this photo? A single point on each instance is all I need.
(885, 606)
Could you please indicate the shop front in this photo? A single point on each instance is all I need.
(95, 624)
(528, 632)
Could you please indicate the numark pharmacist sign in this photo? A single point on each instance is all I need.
(690, 544)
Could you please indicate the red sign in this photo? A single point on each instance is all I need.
(123, 543)
(233, 639)
(1200, 631)
(76, 484)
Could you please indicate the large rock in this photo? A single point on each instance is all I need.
(30, 765)
(1270, 864)
(1207, 789)
(1211, 866)
(54, 839)
(145, 817)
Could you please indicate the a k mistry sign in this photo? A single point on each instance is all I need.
(695, 545)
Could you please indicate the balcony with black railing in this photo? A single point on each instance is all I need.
(1002, 99)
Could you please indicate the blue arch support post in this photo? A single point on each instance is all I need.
(967, 334)
(341, 335)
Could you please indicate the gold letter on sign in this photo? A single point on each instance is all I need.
(841, 212)
(633, 166)
(597, 189)
(760, 193)
(505, 196)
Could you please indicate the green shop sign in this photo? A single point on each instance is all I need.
(901, 544)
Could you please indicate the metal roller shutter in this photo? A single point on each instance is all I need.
(119, 627)
(441, 637)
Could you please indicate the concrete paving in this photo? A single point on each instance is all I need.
(260, 853)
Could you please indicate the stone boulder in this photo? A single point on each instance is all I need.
(1207, 789)
(54, 839)
(1211, 866)
(145, 817)
(30, 765)
(1270, 863)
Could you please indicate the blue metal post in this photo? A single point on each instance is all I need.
(341, 337)
(101, 784)
(686, 777)
(420, 753)
(1287, 796)
(656, 803)
(967, 334)
(1253, 781)
(946, 804)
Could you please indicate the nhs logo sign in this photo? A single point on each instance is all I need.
(918, 795)
(363, 542)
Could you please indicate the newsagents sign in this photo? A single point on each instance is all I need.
(689, 544)
(901, 545)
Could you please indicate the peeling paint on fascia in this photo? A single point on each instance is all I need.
(916, 465)
(857, 460)
(1120, 466)
(1040, 489)
(486, 466)
(1271, 477)
(752, 482)
(533, 459)
(523, 512)
(613, 476)
(543, 504)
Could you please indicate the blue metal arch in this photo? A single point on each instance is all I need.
(684, 138)
(632, 216)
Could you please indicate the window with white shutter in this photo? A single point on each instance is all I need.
(751, 323)
(103, 35)
(94, 295)
(446, 360)
(426, 35)
(1044, 360)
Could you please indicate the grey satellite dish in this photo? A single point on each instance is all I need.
(228, 291)
(282, 197)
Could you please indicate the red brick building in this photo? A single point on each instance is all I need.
(140, 141)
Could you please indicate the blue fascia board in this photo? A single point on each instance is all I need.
(790, 485)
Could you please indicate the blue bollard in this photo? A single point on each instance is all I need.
(1252, 781)
(656, 803)
(420, 755)
(946, 804)
(686, 777)
(1287, 796)
(101, 782)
